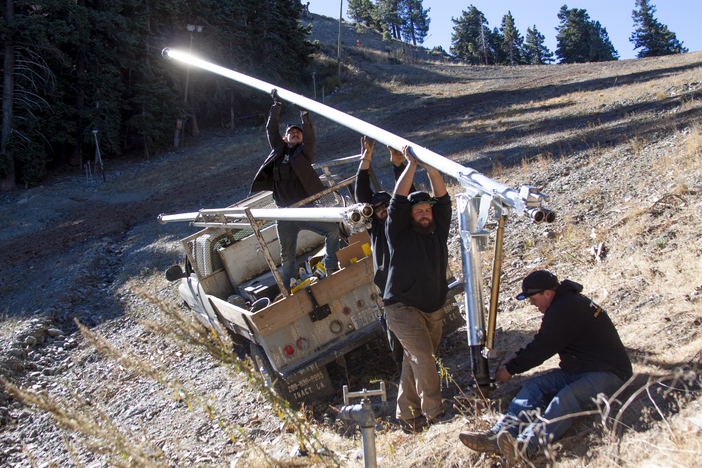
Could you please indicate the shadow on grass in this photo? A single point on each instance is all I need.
(609, 126)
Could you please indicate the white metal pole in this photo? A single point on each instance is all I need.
(468, 177)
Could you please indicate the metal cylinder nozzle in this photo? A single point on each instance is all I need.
(537, 214)
(367, 211)
(355, 216)
(550, 215)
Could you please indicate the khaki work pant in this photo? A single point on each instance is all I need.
(420, 384)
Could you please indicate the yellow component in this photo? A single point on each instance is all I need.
(366, 249)
(300, 286)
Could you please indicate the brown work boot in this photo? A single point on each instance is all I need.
(485, 441)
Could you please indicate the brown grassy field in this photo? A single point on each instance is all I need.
(618, 148)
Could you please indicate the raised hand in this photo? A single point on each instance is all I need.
(276, 98)
(367, 145)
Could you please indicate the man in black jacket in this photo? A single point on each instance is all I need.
(288, 172)
(417, 231)
(593, 361)
(379, 243)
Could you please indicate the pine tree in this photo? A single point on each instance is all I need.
(601, 48)
(512, 41)
(535, 52)
(653, 38)
(496, 54)
(581, 40)
(388, 17)
(85, 66)
(416, 21)
(7, 153)
(361, 11)
(471, 37)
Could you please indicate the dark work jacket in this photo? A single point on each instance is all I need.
(418, 262)
(300, 160)
(580, 332)
(379, 242)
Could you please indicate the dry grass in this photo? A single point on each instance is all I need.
(100, 434)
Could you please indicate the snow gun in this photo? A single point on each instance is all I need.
(481, 195)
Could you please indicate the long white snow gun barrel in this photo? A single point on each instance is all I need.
(482, 193)
(512, 200)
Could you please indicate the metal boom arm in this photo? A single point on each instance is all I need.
(469, 178)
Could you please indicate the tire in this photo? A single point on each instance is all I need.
(260, 360)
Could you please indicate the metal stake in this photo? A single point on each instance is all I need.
(365, 417)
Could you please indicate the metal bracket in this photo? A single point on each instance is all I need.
(483, 211)
(255, 225)
(364, 393)
(319, 313)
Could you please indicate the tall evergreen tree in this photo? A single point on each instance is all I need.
(653, 38)
(83, 65)
(388, 16)
(496, 54)
(7, 154)
(471, 37)
(581, 40)
(535, 51)
(416, 21)
(512, 41)
(601, 48)
(361, 11)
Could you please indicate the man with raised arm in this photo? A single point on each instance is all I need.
(380, 201)
(288, 172)
(417, 230)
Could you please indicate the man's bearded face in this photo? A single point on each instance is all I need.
(422, 219)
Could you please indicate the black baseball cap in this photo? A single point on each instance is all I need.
(420, 198)
(536, 282)
(299, 127)
(380, 197)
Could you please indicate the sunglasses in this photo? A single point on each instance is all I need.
(381, 206)
(532, 292)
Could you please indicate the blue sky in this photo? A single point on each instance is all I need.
(683, 17)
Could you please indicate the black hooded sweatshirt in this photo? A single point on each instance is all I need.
(379, 242)
(580, 332)
(418, 262)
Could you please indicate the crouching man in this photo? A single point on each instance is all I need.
(593, 361)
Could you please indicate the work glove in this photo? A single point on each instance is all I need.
(276, 98)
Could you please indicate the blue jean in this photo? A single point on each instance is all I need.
(287, 236)
(560, 394)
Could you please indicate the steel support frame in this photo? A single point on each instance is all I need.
(474, 240)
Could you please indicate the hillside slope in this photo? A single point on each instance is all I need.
(618, 148)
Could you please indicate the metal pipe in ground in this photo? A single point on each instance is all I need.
(365, 417)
